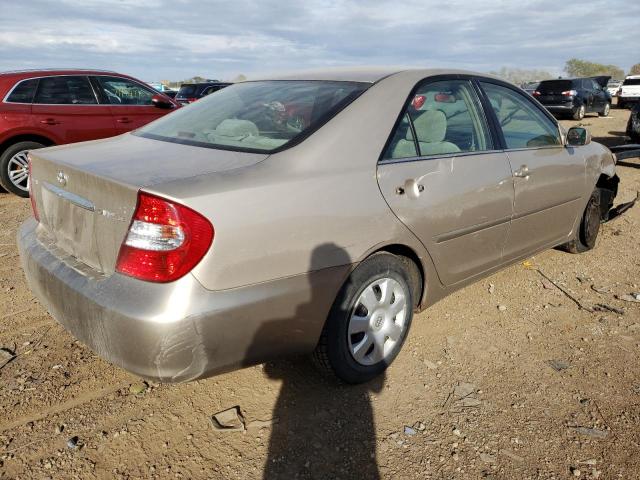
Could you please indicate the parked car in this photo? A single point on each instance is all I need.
(315, 213)
(575, 97)
(633, 125)
(613, 86)
(170, 93)
(629, 91)
(530, 87)
(190, 92)
(52, 107)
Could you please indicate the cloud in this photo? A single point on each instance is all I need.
(157, 39)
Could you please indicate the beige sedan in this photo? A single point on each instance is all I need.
(309, 213)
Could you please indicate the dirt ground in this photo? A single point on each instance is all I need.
(508, 378)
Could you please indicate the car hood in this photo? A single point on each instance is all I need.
(142, 162)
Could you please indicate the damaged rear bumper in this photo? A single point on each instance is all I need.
(178, 331)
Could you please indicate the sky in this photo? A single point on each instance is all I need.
(178, 39)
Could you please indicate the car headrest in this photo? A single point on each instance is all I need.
(430, 126)
(236, 128)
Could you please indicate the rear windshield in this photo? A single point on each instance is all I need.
(632, 81)
(187, 91)
(255, 116)
(555, 86)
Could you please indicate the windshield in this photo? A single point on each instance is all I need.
(632, 81)
(255, 116)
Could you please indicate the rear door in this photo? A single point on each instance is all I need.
(66, 106)
(129, 102)
(549, 179)
(444, 179)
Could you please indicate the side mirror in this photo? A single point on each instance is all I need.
(578, 136)
(161, 101)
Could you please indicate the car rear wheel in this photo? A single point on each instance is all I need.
(369, 320)
(605, 110)
(585, 237)
(14, 171)
(578, 113)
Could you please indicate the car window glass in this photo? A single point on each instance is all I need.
(446, 118)
(522, 123)
(23, 92)
(120, 91)
(256, 116)
(65, 90)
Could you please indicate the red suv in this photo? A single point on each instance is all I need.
(40, 108)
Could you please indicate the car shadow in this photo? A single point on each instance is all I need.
(321, 428)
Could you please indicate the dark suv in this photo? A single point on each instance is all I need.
(575, 97)
(190, 92)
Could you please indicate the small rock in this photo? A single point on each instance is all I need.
(455, 457)
(630, 298)
(72, 443)
(592, 432)
(559, 365)
(138, 388)
(421, 426)
(230, 420)
(601, 290)
(486, 458)
(576, 472)
(59, 429)
(409, 431)
(457, 432)
(502, 308)
(430, 365)
(464, 389)
(492, 288)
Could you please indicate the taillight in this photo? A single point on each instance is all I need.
(165, 241)
(569, 93)
(536, 93)
(34, 208)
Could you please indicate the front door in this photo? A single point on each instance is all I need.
(442, 178)
(66, 107)
(129, 101)
(549, 179)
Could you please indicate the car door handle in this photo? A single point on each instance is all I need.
(412, 188)
(50, 121)
(123, 120)
(523, 172)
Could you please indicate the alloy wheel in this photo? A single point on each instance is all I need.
(378, 321)
(18, 170)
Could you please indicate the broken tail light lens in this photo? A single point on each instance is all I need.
(34, 207)
(165, 240)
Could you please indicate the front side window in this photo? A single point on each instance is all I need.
(523, 124)
(120, 91)
(255, 116)
(442, 118)
(65, 90)
(23, 92)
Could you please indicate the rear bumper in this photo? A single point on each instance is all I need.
(560, 108)
(178, 331)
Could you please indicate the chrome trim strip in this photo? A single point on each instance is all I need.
(389, 161)
(71, 197)
(472, 229)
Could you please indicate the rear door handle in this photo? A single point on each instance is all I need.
(412, 188)
(523, 172)
(123, 120)
(50, 121)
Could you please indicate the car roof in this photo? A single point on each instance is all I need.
(365, 74)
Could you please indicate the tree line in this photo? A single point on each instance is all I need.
(574, 67)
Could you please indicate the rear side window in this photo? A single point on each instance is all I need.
(65, 90)
(632, 81)
(523, 124)
(24, 91)
(442, 118)
(121, 91)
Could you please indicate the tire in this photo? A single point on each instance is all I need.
(586, 235)
(579, 112)
(13, 166)
(356, 357)
(605, 111)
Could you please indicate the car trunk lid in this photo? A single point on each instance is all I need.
(86, 193)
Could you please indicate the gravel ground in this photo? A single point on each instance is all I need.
(507, 378)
